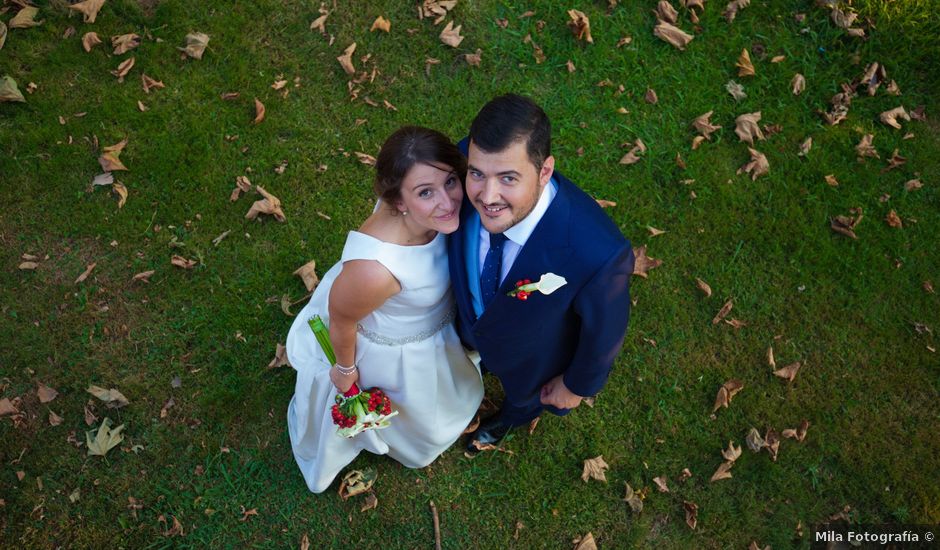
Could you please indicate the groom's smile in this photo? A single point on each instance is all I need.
(504, 186)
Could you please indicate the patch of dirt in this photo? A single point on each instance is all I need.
(149, 6)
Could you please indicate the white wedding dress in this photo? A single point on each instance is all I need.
(408, 348)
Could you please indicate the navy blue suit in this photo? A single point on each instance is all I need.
(577, 331)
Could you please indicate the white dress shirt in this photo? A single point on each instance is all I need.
(517, 235)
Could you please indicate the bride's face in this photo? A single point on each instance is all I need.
(431, 195)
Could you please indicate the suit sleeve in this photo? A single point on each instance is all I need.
(604, 308)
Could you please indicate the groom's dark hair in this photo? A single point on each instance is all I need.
(509, 119)
(407, 146)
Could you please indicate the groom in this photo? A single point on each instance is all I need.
(520, 220)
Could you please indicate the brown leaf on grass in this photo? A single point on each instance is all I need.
(149, 83)
(633, 499)
(451, 35)
(123, 69)
(27, 266)
(892, 88)
(25, 18)
(167, 405)
(865, 148)
(873, 76)
(831, 180)
(259, 112)
(788, 372)
(691, 513)
(770, 358)
(725, 310)
(90, 417)
(805, 147)
(726, 392)
(90, 40)
(626, 40)
(7, 407)
(632, 156)
(3, 34)
(435, 8)
(797, 84)
(696, 141)
(370, 502)
(533, 424)
(918, 114)
(772, 443)
(140, 106)
(736, 90)
(345, 60)
(536, 49)
(731, 10)
(143, 276)
(653, 231)
(109, 159)
(913, 185)
(650, 96)
(603, 203)
(89, 9)
(744, 65)
(665, 12)
(661, 484)
(777, 58)
(754, 441)
(671, 34)
(247, 513)
(175, 531)
(644, 263)
(474, 59)
(731, 453)
(112, 398)
(585, 543)
(196, 43)
(686, 474)
(368, 160)
(723, 472)
(45, 393)
(182, 262)
(125, 42)
(381, 24)
(843, 19)
(736, 323)
(121, 191)
(570, 66)
(798, 434)
(268, 205)
(746, 127)
(580, 26)
(704, 126)
(86, 273)
(319, 24)
(308, 274)
(703, 286)
(758, 165)
(357, 482)
(594, 468)
(229, 96)
(893, 219)
(891, 117)
(280, 358)
(895, 161)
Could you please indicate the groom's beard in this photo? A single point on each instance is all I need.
(518, 213)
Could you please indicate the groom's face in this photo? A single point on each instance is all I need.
(504, 185)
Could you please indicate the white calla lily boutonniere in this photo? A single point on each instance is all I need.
(548, 283)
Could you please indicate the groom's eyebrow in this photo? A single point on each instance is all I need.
(503, 173)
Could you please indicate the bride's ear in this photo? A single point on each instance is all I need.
(400, 206)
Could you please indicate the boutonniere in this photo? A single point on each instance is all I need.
(547, 284)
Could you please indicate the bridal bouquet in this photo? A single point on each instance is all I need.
(356, 410)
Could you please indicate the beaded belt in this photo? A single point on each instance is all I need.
(383, 340)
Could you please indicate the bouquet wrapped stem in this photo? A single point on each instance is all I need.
(355, 410)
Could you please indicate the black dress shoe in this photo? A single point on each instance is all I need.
(490, 432)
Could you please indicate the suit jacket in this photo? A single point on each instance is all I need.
(576, 331)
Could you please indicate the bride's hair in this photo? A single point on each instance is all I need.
(407, 146)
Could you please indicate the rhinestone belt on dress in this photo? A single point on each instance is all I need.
(383, 340)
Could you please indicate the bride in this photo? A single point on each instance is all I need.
(390, 313)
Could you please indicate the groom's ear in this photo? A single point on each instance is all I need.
(548, 168)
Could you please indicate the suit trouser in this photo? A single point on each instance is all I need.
(518, 415)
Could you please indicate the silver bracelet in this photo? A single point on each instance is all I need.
(345, 371)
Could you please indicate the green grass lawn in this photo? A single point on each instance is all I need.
(855, 313)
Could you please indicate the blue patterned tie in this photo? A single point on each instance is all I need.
(492, 266)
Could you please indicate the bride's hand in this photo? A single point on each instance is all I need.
(343, 381)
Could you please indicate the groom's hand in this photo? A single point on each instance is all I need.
(556, 394)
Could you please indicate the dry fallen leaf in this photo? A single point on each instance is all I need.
(356, 482)
(632, 156)
(105, 438)
(893, 220)
(196, 43)
(913, 185)
(642, 263)
(865, 147)
(451, 35)
(726, 392)
(633, 499)
(3, 34)
(366, 159)
(109, 159)
(653, 231)
(731, 453)
(86, 273)
(259, 112)
(650, 95)
(754, 441)
(45, 393)
(268, 205)
(474, 59)
(123, 69)
(580, 26)
(671, 34)
(149, 83)
(891, 117)
(805, 147)
(744, 65)
(90, 40)
(594, 468)
(25, 18)
(798, 434)
(788, 372)
(731, 11)
(125, 42)
(381, 24)
(308, 275)
(725, 310)
(585, 543)
(319, 24)
(798, 84)
(665, 12)
(143, 276)
(746, 127)
(140, 105)
(831, 180)
(345, 60)
(704, 126)
(723, 472)
(777, 58)
(691, 513)
(370, 502)
(112, 397)
(121, 191)
(88, 8)
(280, 357)
(736, 90)
(703, 286)
(894, 161)
(758, 165)
(182, 262)
(9, 91)
(661, 484)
